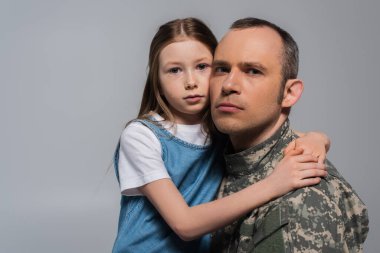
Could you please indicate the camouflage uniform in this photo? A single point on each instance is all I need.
(328, 217)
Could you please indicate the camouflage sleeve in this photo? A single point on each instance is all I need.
(317, 223)
(314, 224)
(307, 220)
(354, 211)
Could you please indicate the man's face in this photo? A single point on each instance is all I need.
(245, 84)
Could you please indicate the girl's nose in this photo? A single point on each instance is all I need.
(190, 83)
(190, 86)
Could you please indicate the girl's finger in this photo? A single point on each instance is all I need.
(305, 158)
(291, 146)
(322, 158)
(311, 166)
(294, 152)
(312, 173)
(309, 181)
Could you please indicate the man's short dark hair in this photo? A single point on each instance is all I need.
(290, 48)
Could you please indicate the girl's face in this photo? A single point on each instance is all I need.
(184, 72)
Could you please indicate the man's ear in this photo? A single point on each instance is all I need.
(292, 92)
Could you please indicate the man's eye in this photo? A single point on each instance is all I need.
(174, 70)
(253, 71)
(202, 66)
(220, 69)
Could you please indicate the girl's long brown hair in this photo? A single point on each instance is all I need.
(172, 31)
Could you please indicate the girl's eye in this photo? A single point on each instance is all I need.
(202, 66)
(174, 70)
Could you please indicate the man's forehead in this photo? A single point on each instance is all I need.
(249, 42)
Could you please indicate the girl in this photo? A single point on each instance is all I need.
(169, 163)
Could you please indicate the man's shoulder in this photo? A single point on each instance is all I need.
(332, 195)
(331, 188)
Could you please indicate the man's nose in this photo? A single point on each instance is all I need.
(231, 84)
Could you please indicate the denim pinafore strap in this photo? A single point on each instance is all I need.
(196, 171)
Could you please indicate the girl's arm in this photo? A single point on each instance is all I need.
(315, 143)
(295, 170)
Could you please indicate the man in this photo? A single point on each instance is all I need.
(252, 88)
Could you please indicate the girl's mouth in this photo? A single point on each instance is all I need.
(193, 98)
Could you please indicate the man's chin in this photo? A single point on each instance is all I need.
(226, 126)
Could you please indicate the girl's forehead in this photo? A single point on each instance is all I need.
(185, 46)
(185, 51)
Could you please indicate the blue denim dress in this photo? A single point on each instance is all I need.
(196, 171)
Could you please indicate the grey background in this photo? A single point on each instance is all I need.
(72, 73)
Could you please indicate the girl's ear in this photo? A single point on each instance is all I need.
(292, 92)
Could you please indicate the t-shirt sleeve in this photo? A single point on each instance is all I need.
(140, 159)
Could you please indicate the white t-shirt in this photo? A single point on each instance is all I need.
(140, 155)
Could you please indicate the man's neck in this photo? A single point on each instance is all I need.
(253, 137)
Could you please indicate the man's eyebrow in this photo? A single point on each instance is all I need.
(252, 65)
(220, 63)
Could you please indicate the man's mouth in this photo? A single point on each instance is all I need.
(228, 107)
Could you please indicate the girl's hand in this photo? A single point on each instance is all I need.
(314, 143)
(295, 170)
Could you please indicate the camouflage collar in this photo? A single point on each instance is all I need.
(248, 161)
